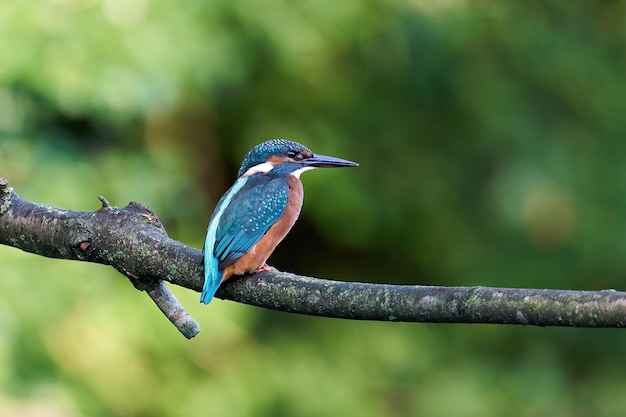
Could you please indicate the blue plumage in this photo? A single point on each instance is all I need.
(252, 211)
(255, 202)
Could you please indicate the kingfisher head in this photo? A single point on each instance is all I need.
(287, 157)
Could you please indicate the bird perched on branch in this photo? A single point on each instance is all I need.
(258, 211)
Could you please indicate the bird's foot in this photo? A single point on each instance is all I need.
(265, 267)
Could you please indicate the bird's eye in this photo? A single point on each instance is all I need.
(296, 156)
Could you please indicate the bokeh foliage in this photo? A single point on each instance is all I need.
(490, 140)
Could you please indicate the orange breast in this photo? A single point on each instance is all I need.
(259, 253)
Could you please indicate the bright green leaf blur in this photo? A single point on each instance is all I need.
(490, 138)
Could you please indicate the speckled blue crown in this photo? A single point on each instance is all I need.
(261, 152)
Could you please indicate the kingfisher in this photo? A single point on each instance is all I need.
(258, 211)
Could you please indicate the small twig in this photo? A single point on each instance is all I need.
(105, 202)
(171, 307)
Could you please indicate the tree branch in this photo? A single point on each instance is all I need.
(134, 242)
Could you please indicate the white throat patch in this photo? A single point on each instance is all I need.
(297, 172)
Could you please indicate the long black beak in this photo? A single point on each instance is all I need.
(323, 161)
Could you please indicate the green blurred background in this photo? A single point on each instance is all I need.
(490, 138)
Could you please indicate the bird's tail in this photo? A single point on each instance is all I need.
(208, 292)
(212, 278)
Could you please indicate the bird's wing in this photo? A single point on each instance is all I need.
(248, 216)
(242, 216)
(212, 273)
